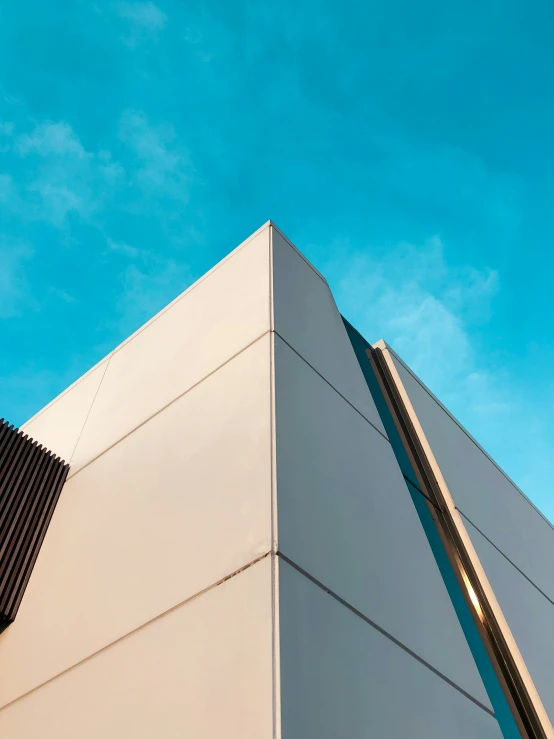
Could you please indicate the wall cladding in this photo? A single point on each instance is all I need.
(31, 480)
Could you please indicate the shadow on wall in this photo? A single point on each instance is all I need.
(494, 690)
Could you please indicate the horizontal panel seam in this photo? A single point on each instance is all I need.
(194, 285)
(230, 359)
(167, 405)
(382, 631)
(417, 489)
(507, 558)
(152, 320)
(159, 616)
(332, 386)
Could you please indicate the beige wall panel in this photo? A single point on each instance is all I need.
(213, 321)
(59, 425)
(200, 672)
(174, 507)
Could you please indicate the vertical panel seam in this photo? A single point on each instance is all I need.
(90, 407)
(275, 635)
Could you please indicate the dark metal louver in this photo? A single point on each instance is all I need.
(31, 479)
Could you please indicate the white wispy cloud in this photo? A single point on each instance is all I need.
(163, 166)
(147, 285)
(19, 292)
(196, 40)
(61, 177)
(112, 171)
(16, 294)
(6, 132)
(123, 248)
(6, 187)
(145, 20)
(61, 294)
(7, 128)
(147, 282)
(422, 306)
(51, 139)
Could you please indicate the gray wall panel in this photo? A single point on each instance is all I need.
(307, 317)
(529, 614)
(482, 492)
(342, 678)
(345, 515)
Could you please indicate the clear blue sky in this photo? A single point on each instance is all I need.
(406, 148)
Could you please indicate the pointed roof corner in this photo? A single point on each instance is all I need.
(277, 230)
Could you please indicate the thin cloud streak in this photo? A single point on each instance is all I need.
(163, 166)
(146, 20)
(16, 295)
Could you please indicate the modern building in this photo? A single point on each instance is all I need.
(271, 529)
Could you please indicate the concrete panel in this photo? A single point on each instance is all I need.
(345, 515)
(203, 671)
(59, 425)
(481, 491)
(210, 323)
(340, 677)
(176, 506)
(307, 317)
(529, 614)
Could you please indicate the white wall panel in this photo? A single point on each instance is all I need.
(59, 425)
(211, 322)
(341, 678)
(174, 507)
(202, 671)
(345, 515)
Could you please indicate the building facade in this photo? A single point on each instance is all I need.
(271, 529)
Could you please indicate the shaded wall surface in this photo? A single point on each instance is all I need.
(513, 540)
